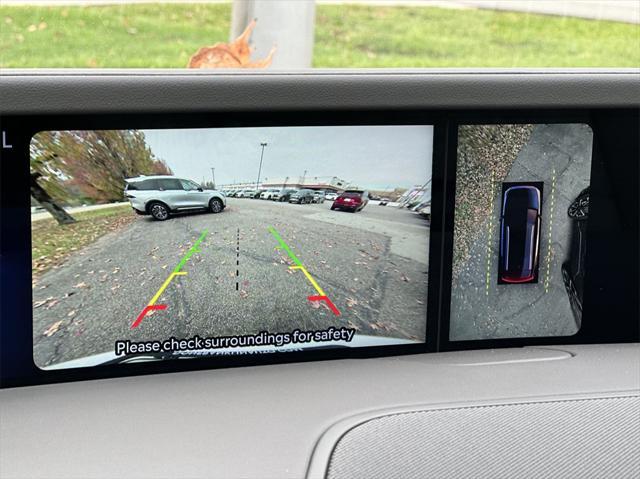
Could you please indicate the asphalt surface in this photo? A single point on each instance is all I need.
(372, 265)
(560, 156)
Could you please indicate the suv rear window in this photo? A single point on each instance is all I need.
(353, 193)
(144, 185)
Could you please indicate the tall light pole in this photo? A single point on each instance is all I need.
(213, 177)
(263, 144)
(304, 177)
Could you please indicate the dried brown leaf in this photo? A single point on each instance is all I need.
(51, 330)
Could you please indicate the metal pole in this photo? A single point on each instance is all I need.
(213, 176)
(286, 24)
(263, 144)
(304, 177)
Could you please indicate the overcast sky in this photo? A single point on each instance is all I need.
(367, 156)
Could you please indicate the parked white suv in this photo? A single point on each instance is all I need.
(269, 194)
(159, 196)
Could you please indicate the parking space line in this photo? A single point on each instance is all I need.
(489, 232)
(549, 243)
(151, 305)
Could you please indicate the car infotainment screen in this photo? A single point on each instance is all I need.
(180, 243)
(520, 235)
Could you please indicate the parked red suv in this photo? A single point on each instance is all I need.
(351, 200)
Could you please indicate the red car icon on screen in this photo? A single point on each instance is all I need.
(519, 233)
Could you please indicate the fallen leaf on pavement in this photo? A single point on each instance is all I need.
(51, 330)
(81, 285)
(52, 303)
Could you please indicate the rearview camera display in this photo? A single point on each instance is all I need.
(521, 213)
(171, 244)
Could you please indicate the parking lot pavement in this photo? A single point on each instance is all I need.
(560, 156)
(238, 278)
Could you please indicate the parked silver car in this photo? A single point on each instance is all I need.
(247, 193)
(270, 194)
(318, 196)
(159, 196)
(302, 196)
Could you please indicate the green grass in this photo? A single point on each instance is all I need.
(434, 37)
(166, 35)
(52, 244)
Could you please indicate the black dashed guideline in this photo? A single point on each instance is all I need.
(238, 259)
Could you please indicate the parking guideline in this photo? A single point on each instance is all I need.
(151, 306)
(192, 250)
(284, 246)
(298, 265)
(310, 278)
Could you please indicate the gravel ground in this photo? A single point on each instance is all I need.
(485, 156)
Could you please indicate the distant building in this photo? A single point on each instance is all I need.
(417, 194)
(327, 183)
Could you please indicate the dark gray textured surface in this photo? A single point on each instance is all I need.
(120, 91)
